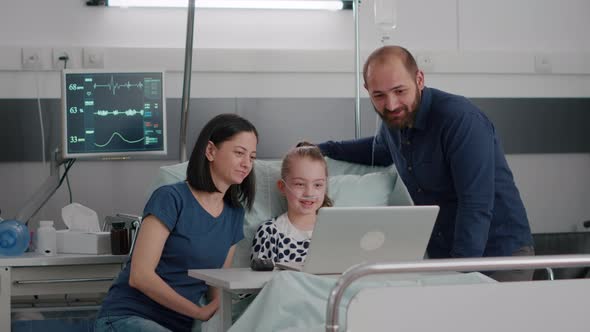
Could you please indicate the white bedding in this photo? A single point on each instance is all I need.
(295, 301)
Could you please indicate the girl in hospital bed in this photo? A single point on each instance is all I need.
(304, 183)
(193, 224)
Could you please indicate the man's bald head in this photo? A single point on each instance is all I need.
(390, 53)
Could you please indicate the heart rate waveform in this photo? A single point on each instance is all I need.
(121, 136)
(114, 86)
(129, 112)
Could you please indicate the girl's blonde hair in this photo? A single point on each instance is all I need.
(309, 150)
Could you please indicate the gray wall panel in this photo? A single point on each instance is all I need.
(525, 125)
(540, 125)
(283, 122)
(20, 128)
(200, 111)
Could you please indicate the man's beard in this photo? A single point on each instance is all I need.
(410, 114)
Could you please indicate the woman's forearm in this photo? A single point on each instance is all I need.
(158, 290)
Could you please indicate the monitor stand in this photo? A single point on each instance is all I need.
(44, 192)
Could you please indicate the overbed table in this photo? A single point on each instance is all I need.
(232, 281)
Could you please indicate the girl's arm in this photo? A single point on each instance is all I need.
(263, 235)
(146, 255)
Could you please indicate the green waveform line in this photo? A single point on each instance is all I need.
(114, 86)
(129, 112)
(123, 138)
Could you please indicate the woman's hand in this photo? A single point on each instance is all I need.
(206, 312)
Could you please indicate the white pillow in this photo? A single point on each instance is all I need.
(268, 203)
(373, 189)
(337, 167)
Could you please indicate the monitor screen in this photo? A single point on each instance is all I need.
(113, 115)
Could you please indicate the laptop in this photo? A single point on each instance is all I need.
(346, 236)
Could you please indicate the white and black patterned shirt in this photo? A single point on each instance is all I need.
(279, 240)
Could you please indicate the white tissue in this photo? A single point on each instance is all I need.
(79, 218)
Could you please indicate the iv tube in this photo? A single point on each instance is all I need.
(385, 18)
(300, 195)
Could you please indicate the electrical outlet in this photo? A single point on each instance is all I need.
(70, 57)
(425, 62)
(31, 58)
(93, 58)
(543, 64)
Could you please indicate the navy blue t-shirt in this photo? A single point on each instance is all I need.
(197, 240)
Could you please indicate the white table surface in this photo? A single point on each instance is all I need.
(234, 279)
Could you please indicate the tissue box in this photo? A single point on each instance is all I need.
(72, 242)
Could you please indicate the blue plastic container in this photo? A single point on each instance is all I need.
(14, 238)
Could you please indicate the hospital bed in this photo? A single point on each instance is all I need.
(511, 306)
(420, 296)
(297, 302)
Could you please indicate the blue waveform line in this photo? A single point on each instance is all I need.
(114, 86)
(123, 138)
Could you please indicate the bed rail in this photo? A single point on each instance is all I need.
(443, 265)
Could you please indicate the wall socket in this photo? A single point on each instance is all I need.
(543, 64)
(32, 58)
(72, 54)
(425, 62)
(93, 58)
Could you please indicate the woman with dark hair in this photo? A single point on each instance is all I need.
(193, 224)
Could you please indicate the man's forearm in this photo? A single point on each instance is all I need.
(361, 151)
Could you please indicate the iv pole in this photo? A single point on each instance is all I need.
(188, 71)
(357, 100)
(186, 85)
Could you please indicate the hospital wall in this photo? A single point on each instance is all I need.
(280, 67)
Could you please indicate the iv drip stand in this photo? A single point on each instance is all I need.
(357, 100)
(186, 85)
(188, 71)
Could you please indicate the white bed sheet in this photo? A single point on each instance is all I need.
(295, 301)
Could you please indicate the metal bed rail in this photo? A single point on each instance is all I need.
(443, 265)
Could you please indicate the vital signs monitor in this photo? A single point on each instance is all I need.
(113, 115)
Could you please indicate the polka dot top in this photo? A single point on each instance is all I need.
(279, 240)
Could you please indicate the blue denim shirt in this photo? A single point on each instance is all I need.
(452, 158)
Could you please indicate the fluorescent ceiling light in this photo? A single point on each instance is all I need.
(239, 4)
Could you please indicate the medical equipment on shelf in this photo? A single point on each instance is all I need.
(132, 224)
(14, 238)
(119, 239)
(80, 218)
(83, 235)
(46, 236)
